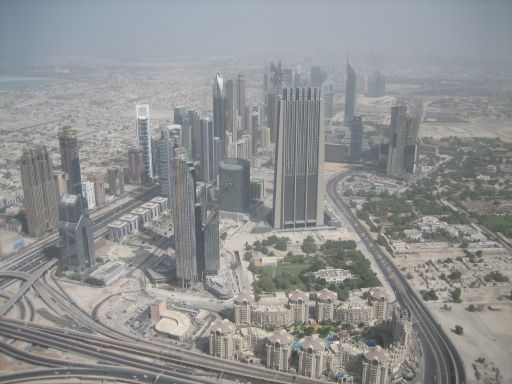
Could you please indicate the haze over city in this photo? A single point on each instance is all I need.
(256, 191)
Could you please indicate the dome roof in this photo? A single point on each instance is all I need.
(298, 295)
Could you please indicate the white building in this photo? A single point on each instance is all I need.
(143, 135)
(89, 194)
(333, 276)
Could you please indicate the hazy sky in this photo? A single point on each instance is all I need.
(160, 29)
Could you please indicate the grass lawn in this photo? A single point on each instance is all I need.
(294, 269)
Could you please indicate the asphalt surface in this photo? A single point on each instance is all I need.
(442, 362)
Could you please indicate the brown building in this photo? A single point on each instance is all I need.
(60, 179)
(99, 188)
(136, 170)
(115, 181)
(39, 190)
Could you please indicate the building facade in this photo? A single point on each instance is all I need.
(356, 139)
(279, 351)
(298, 177)
(70, 160)
(221, 339)
(350, 94)
(40, 199)
(143, 132)
(235, 180)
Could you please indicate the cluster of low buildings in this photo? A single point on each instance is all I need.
(338, 356)
(431, 224)
(138, 218)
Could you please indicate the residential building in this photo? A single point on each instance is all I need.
(299, 305)
(350, 94)
(279, 351)
(99, 188)
(326, 302)
(219, 112)
(89, 194)
(221, 339)
(312, 357)
(115, 181)
(397, 140)
(375, 366)
(243, 305)
(136, 169)
(356, 139)
(61, 183)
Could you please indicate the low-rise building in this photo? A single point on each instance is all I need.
(109, 272)
(271, 316)
(117, 230)
(355, 312)
(153, 208)
(132, 221)
(163, 202)
(332, 276)
(143, 214)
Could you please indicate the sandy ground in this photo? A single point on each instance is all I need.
(481, 127)
(8, 238)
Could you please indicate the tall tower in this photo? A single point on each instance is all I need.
(68, 144)
(75, 231)
(184, 219)
(299, 174)
(350, 94)
(144, 137)
(397, 140)
(235, 180)
(207, 152)
(231, 110)
(219, 111)
(181, 118)
(240, 98)
(166, 152)
(40, 199)
(356, 138)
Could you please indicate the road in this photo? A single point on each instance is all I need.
(443, 364)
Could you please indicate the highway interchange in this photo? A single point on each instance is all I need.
(127, 359)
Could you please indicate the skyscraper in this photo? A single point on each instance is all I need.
(40, 199)
(235, 180)
(166, 152)
(61, 183)
(240, 98)
(356, 138)
(115, 181)
(207, 240)
(376, 85)
(207, 155)
(136, 170)
(75, 232)
(99, 188)
(68, 144)
(350, 94)
(219, 111)
(318, 76)
(298, 176)
(397, 140)
(144, 137)
(89, 194)
(195, 133)
(232, 117)
(328, 97)
(181, 118)
(184, 219)
(255, 118)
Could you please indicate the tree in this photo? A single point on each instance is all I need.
(455, 275)
(456, 293)
(308, 245)
(459, 330)
(248, 256)
(224, 236)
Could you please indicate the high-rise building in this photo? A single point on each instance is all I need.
(234, 180)
(299, 304)
(219, 111)
(356, 139)
(240, 98)
(326, 306)
(166, 150)
(221, 339)
(243, 305)
(279, 351)
(99, 188)
(298, 176)
(375, 366)
(318, 76)
(328, 97)
(89, 194)
(143, 130)
(207, 155)
(61, 183)
(40, 199)
(183, 185)
(232, 117)
(207, 240)
(255, 118)
(154, 157)
(376, 85)
(115, 181)
(75, 233)
(181, 118)
(70, 160)
(312, 357)
(350, 94)
(264, 135)
(272, 114)
(136, 169)
(397, 140)
(195, 133)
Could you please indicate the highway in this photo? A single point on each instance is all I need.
(443, 364)
(143, 355)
